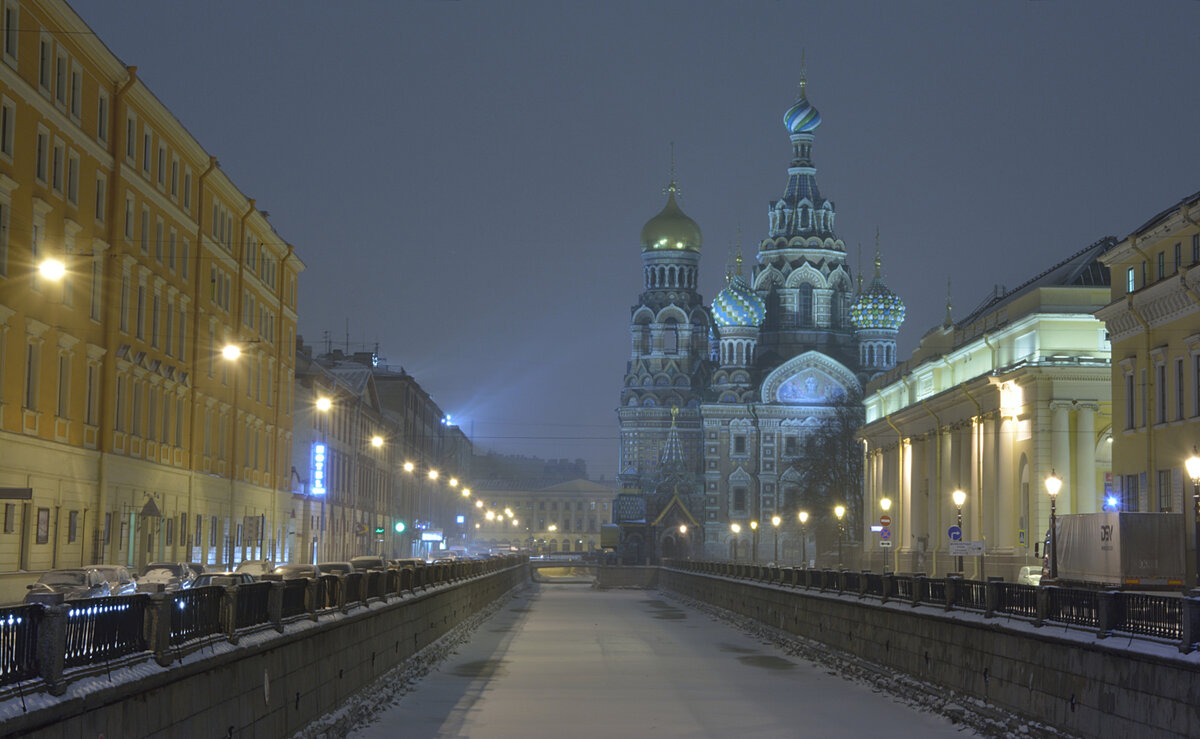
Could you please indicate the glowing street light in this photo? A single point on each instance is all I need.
(736, 529)
(803, 516)
(775, 521)
(433, 474)
(754, 542)
(323, 404)
(1193, 470)
(52, 269)
(231, 351)
(959, 497)
(479, 503)
(377, 441)
(839, 511)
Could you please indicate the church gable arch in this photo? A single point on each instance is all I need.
(812, 378)
(806, 274)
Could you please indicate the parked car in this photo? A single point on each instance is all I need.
(407, 562)
(224, 579)
(368, 562)
(197, 568)
(256, 567)
(170, 575)
(70, 584)
(295, 572)
(120, 579)
(336, 568)
(1030, 576)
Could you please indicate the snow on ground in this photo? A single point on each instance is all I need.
(568, 660)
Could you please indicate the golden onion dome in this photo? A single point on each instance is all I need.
(671, 228)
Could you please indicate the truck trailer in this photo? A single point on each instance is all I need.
(1123, 549)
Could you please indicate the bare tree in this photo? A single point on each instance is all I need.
(831, 467)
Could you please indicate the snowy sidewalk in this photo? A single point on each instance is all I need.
(570, 661)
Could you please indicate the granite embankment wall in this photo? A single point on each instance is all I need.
(1071, 680)
(268, 685)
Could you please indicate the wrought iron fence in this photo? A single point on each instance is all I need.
(904, 586)
(251, 607)
(1071, 606)
(18, 643)
(931, 590)
(970, 594)
(1148, 615)
(1016, 599)
(294, 592)
(196, 613)
(105, 628)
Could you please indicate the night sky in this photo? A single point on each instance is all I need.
(467, 181)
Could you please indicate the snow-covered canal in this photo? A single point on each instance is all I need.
(570, 661)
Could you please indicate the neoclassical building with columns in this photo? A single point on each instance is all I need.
(992, 405)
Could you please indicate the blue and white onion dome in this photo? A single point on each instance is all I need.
(737, 305)
(877, 307)
(802, 117)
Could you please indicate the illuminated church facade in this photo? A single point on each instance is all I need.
(718, 398)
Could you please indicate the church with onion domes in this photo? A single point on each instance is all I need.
(718, 398)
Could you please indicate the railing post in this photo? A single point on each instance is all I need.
(314, 597)
(991, 597)
(918, 587)
(229, 595)
(1043, 605)
(1190, 631)
(952, 584)
(275, 605)
(159, 629)
(889, 585)
(864, 581)
(341, 604)
(1106, 613)
(52, 647)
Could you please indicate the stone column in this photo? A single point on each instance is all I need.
(1006, 512)
(1087, 500)
(1060, 453)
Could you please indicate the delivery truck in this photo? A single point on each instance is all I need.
(1131, 550)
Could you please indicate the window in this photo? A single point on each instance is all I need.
(1179, 389)
(146, 141)
(739, 499)
(43, 144)
(12, 18)
(10, 518)
(171, 251)
(174, 177)
(789, 446)
(31, 376)
(187, 190)
(8, 122)
(72, 526)
(154, 323)
(73, 178)
(119, 406)
(162, 165)
(102, 117)
(97, 274)
(131, 139)
(101, 196)
(76, 93)
(89, 403)
(199, 530)
(1162, 264)
(64, 384)
(212, 532)
(44, 65)
(107, 527)
(140, 316)
(129, 217)
(1162, 491)
(135, 416)
(124, 304)
(56, 167)
(145, 230)
(60, 79)
(184, 259)
(1160, 392)
(804, 305)
(158, 241)
(1178, 256)
(739, 445)
(180, 343)
(170, 531)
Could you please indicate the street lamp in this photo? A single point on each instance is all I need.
(803, 516)
(754, 542)
(1193, 470)
(885, 505)
(1053, 485)
(775, 521)
(959, 497)
(736, 529)
(839, 511)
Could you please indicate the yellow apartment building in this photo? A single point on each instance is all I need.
(991, 405)
(1154, 322)
(126, 435)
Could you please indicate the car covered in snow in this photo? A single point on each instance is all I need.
(77, 583)
(167, 576)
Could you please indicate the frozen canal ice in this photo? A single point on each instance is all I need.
(569, 661)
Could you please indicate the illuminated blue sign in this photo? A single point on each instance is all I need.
(318, 470)
(460, 519)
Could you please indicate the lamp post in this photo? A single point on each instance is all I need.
(754, 542)
(736, 529)
(839, 511)
(803, 516)
(959, 497)
(775, 521)
(231, 353)
(323, 405)
(1053, 485)
(1193, 470)
(885, 505)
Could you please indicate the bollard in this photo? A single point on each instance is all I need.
(159, 627)
(52, 647)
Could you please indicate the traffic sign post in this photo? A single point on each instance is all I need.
(885, 521)
(955, 533)
(966, 549)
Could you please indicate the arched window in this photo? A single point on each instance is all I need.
(739, 499)
(670, 336)
(835, 309)
(870, 356)
(804, 307)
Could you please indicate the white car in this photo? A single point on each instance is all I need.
(1030, 576)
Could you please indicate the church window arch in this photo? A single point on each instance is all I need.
(648, 402)
(804, 305)
(670, 336)
(871, 356)
(836, 302)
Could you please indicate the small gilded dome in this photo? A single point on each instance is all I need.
(737, 305)
(671, 228)
(802, 117)
(877, 307)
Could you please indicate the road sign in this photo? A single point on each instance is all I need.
(885, 543)
(966, 548)
(885, 533)
(955, 533)
(885, 520)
